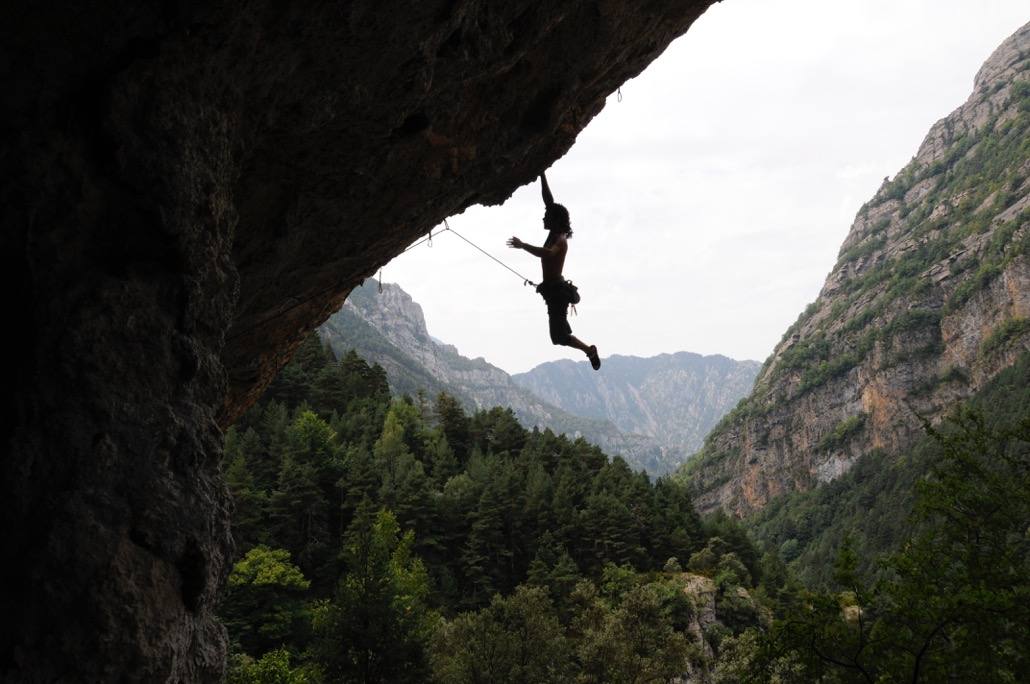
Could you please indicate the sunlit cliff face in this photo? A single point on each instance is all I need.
(931, 276)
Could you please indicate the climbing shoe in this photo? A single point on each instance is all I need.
(595, 360)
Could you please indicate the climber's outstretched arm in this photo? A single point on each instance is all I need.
(542, 252)
(546, 191)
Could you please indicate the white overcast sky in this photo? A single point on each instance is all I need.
(709, 204)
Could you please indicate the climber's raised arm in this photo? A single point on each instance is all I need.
(557, 292)
(546, 191)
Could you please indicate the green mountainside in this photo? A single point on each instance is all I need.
(868, 505)
(347, 330)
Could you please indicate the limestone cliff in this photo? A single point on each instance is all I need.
(188, 189)
(929, 299)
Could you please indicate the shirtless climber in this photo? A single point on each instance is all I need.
(555, 290)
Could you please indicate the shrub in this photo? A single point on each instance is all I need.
(827, 370)
(983, 276)
(842, 432)
(1003, 334)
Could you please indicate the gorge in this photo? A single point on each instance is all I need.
(189, 190)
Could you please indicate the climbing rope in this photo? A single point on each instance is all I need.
(447, 229)
(525, 280)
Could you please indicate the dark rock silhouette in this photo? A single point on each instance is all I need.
(187, 190)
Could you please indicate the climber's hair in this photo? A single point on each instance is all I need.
(556, 217)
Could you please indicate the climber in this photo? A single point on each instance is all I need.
(557, 292)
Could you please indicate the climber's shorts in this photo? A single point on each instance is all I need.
(557, 312)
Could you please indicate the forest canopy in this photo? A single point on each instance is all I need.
(405, 539)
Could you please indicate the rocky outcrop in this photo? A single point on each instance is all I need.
(389, 328)
(675, 399)
(929, 299)
(188, 190)
(399, 319)
(702, 593)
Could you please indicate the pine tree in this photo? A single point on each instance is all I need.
(494, 555)
(361, 479)
(265, 458)
(311, 485)
(249, 527)
(455, 425)
(331, 389)
(459, 496)
(299, 517)
(497, 431)
(443, 464)
(569, 491)
(406, 491)
(554, 569)
(674, 527)
(312, 355)
(537, 514)
(485, 553)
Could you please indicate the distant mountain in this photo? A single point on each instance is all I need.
(390, 329)
(673, 398)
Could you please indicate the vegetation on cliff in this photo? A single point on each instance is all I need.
(927, 302)
(893, 313)
(951, 603)
(868, 505)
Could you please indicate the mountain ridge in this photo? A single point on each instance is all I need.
(389, 328)
(674, 398)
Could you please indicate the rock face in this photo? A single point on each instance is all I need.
(190, 188)
(390, 329)
(702, 592)
(929, 299)
(675, 399)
